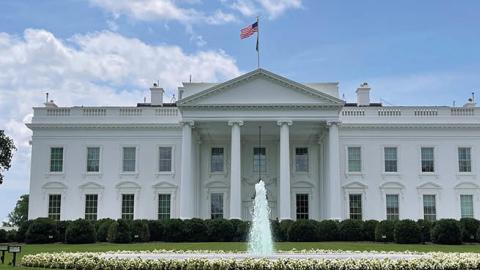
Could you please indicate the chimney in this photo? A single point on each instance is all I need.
(156, 95)
(363, 95)
(471, 102)
(50, 104)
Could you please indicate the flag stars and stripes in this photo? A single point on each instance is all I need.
(249, 30)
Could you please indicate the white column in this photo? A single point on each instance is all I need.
(334, 190)
(285, 169)
(235, 172)
(187, 188)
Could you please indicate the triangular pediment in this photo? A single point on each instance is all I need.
(261, 88)
(429, 185)
(392, 185)
(91, 185)
(467, 185)
(163, 185)
(54, 185)
(355, 185)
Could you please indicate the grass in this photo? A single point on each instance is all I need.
(234, 246)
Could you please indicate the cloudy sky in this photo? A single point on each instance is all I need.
(107, 52)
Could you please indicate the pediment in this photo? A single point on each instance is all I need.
(392, 185)
(54, 185)
(355, 185)
(467, 185)
(260, 88)
(91, 185)
(163, 185)
(127, 185)
(302, 184)
(216, 184)
(429, 185)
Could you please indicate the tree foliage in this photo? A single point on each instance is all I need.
(20, 213)
(7, 147)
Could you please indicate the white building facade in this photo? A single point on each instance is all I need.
(321, 158)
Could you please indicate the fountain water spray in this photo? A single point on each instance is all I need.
(260, 238)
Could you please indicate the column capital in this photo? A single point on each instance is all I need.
(235, 122)
(284, 122)
(187, 122)
(334, 123)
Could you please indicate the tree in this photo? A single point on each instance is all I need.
(6, 153)
(20, 212)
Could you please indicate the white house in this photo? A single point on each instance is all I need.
(321, 158)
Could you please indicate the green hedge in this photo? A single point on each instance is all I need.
(469, 228)
(140, 231)
(384, 231)
(447, 231)
(351, 230)
(328, 230)
(304, 231)
(196, 230)
(120, 231)
(407, 231)
(101, 227)
(41, 230)
(80, 231)
(425, 227)
(369, 227)
(219, 230)
(156, 229)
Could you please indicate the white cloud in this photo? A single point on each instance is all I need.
(168, 10)
(271, 8)
(101, 68)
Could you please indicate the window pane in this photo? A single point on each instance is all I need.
(301, 159)
(54, 206)
(464, 159)
(216, 162)
(259, 159)
(129, 159)
(93, 159)
(302, 206)
(163, 206)
(165, 160)
(355, 206)
(390, 159)
(427, 159)
(91, 206)
(466, 206)
(354, 159)
(216, 205)
(429, 207)
(128, 204)
(392, 207)
(56, 159)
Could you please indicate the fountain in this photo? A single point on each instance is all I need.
(260, 238)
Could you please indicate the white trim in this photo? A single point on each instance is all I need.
(362, 169)
(225, 163)
(86, 173)
(172, 165)
(137, 155)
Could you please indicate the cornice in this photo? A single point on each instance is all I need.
(410, 125)
(99, 125)
(311, 106)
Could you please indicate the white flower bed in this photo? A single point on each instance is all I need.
(94, 261)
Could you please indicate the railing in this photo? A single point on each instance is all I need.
(389, 112)
(353, 112)
(58, 112)
(94, 112)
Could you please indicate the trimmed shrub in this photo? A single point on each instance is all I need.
(102, 227)
(11, 236)
(80, 231)
(241, 228)
(22, 230)
(283, 231)
(140, 232)
(120, 231)
(469, 227)
(195, 230)
(351, 230)
(447, 231)
(328, 230)
(275, 227)
(3, 236)
(384, 231)
(219, 230)
(478, 234)
(425, 230)
(62, 228)
(156, 229)
(303, 231)
(174, 230)
(40, 231)
(369, 227)
(407, 231)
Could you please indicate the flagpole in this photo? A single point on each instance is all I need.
(258, 45)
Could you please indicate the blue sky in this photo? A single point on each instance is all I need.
(107, 52)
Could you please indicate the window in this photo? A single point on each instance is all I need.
(392, 207)
(93, 159)
(128, 204)
(165, 160)
(259, 159)
(56, 159)
(466, 206)
(301, 159)
(302, 206)
(354, 159)
(216, 205)
(355, 206)
(164, 206)
(390, 159)
(429, 208)
(464, 159)
(427, 159)
(216, 161)
(129, 159)
(54, 205)
(91, 206)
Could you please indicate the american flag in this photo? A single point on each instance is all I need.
(249, 30)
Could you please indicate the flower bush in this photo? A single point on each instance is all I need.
(93, 261)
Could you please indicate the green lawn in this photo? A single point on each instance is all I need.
(32, 249)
